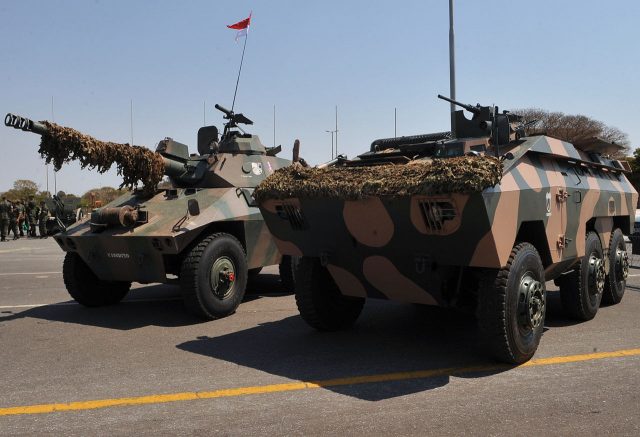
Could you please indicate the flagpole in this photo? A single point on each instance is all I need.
(452, 70)
(246, 37)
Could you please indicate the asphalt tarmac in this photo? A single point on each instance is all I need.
(147, 367)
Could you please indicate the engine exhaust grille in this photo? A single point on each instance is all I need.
(294, 215)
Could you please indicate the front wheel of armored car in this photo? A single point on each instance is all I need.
(581, 289)
(86, 288)
(512, 306)
(319, 300)
(213, 276)
(616, 280)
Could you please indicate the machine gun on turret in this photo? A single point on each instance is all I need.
(487, 121)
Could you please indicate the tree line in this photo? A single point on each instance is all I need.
(25, 189)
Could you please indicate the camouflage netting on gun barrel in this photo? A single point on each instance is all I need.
(465, 174)
(134, 163)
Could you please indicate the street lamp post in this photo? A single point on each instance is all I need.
(332, 132)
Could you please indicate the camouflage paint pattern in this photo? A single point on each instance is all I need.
(397, 248)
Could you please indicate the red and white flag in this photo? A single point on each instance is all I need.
(241, 26)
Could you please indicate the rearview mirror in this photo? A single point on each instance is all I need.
(193, 207)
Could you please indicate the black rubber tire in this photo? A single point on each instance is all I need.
(85, 287)
(578, 291)
(287, 268)
(615, 283)
(498, 306)
(319, 300)
(195, 276)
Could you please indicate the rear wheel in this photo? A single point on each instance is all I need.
(85, 287)
(512, 306)
(581, 290)
(616, 280)
(319, 300)
(213, 276)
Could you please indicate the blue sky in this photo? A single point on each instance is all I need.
(95, 57)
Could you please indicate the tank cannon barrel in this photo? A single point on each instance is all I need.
(172, 167)
(60, 144)
(25, 124)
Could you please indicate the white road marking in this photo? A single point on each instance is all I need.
(31, 273)
(19, 249)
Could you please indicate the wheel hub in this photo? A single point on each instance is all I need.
(597, 275)
(531, 302)
(622, 264)
(223, 277)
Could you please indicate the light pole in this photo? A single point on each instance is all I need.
(452, 69)
(332, 132)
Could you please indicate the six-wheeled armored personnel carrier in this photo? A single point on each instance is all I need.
(200, 224)
(479, 219)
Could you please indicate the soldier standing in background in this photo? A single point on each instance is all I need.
(43, 216)
(21, 216)
(13, 220)
(4, 218)
(32, 217)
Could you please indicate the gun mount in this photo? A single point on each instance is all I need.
(502, 128)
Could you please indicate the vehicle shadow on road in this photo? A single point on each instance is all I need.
(556, 317)
(264, 284)
(152, 305)
(388, 338)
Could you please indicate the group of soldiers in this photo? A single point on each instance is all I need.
(20, 217)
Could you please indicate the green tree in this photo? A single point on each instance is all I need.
(103, 195)
(25, 188)
(634, 163)
(572, 128)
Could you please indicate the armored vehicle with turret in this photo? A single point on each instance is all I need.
(478, 219)
(199, 224)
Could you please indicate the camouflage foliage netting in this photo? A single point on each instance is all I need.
(466, 174)
(134, 163)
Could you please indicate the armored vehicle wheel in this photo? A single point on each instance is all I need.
(581, 290)
(213, 276)
(319, 300)
(85, 287)
(512, 305)
(286, 269)
(616, 280)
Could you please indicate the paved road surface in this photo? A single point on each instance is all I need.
(403, 370)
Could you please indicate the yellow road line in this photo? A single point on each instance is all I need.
(293, 386)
